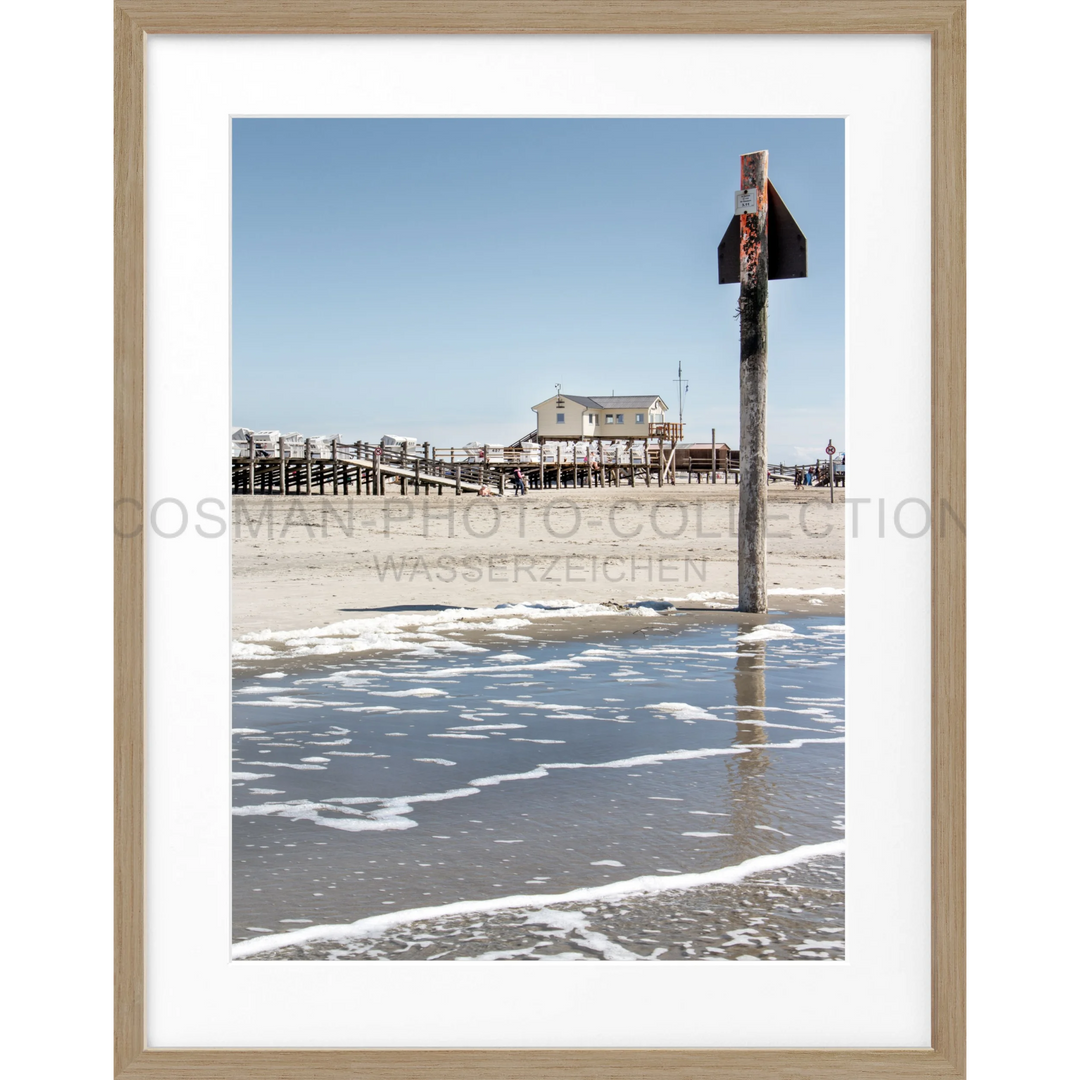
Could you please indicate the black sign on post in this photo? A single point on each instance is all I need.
(787, 245)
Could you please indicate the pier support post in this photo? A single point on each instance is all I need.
(251, 464)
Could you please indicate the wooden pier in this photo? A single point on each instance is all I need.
(364, 469)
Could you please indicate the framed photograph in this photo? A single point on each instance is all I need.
(538, 616)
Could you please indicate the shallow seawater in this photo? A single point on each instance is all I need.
(533, 767)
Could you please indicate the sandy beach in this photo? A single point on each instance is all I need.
(301, 562)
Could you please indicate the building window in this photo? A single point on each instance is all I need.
(609, 418)
(560, 418)
(618, 418)
(639, 418)
(592, 418)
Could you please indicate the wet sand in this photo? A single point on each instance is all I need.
(794, 915)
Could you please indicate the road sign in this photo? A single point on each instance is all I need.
(830, 449)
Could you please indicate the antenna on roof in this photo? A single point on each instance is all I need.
(680, 380)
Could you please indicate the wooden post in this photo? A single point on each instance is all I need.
(416, 476)
(558, 467)
(281, 460)
(251, 465)
(753, 373)
(457, 479)
(714, 455)
(333, 464)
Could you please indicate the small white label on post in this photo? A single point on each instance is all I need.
(746, 201)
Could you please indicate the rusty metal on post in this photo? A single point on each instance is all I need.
(753, 377)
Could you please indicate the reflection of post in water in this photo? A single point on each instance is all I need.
(750, 692)
(750, 790)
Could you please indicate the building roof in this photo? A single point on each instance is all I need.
(632, 401)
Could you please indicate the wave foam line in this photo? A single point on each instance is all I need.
(374, 925)
(398, 631)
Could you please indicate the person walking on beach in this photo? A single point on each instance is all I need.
(519, 482)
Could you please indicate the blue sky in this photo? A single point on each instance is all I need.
(437, 278)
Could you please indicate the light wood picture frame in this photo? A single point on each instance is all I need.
(943, 21)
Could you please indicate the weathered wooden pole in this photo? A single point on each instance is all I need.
(753, 374)
(714, 455)
(251, 464)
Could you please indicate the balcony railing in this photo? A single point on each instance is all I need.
(666, 431)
